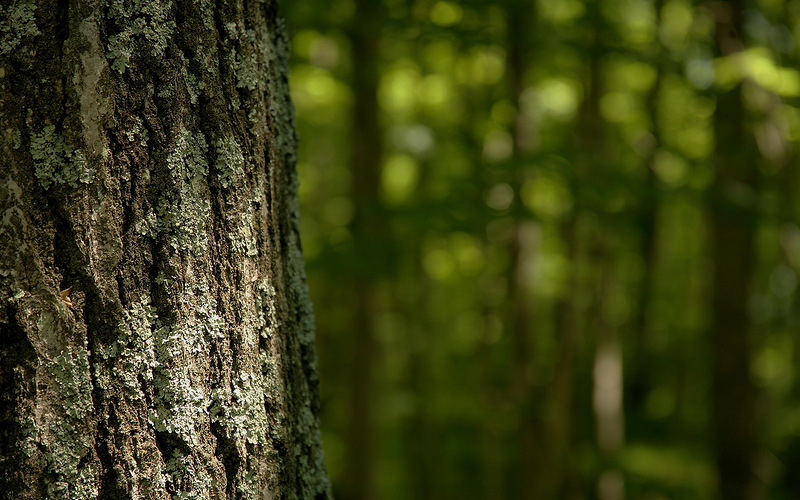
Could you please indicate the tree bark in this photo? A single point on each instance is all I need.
(157, 336)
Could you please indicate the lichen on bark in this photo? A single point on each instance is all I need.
(160, 338)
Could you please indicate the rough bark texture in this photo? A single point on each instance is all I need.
(156, 335)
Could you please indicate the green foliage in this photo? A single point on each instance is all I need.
(560, 177)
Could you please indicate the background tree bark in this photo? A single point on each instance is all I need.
(157, 337)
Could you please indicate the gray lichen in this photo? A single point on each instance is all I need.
(190, 479)
(243, 239)
(266, 312)
(246, 68)
(17, 22)
(132, 355)
(182, 216)
(245, 61)
(57, 162)
(148, 226)
(137, 132)
(71, 373)
(142, 23)
(67, 445)
(240, 409)
(230, 162)
(194, 85)
(179, 405)
(148, 353)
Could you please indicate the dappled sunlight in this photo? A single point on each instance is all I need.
(550, 227)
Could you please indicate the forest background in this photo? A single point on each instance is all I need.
(553, 246)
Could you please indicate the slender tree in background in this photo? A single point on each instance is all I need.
(592, 165)
(156, 334)
(733, 220)
(640, 358)
(366, 155)
(533, 471)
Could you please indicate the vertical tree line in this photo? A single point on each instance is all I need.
(589, 282)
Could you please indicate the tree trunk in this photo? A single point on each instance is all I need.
(366, 152)
(534, 469)
(733, 234)
(157, 336)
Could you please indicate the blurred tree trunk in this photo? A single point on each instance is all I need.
(733, 222)
(422, 448)
(366, 154)
(491, 449)
(157, 337)
(639, 367)
(534, 468)
(607, 377)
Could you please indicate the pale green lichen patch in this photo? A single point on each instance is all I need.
(205, 308)
(271, 379)
(148, 226)
(57, 162)
(193, 84)
(173, 360)
(230, 162)
(243, 239)
(133, 354)
(143, 24)
(248, 487)
(71, 479)
(240, 410)
(245, 61)
(190, 480)
(179, 403)
(17, 22)
(207, 13)
(71, 373)
(182, 215)
(246, 68)
(66, 444)
(137, 132)
(266, 312)
(16, 139)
